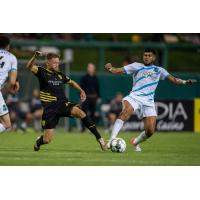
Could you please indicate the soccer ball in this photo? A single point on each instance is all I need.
(118, 145)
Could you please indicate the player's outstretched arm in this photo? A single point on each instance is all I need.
(114, 70)
(31, 63)
(179, 81)
(78, 88)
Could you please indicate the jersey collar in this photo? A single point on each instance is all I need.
(50, 71)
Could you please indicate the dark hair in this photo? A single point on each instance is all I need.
(150, 50)
(49, 56)
(4, 41)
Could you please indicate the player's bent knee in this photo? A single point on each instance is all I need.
(124, 116)
(77, 112)
(82, 114)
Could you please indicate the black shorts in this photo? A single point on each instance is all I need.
(52, 114)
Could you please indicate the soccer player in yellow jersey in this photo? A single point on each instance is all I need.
(54, 101)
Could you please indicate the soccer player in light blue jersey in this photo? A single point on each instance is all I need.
(8, 80)
(146, 77)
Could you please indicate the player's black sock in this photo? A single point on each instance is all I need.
(91, 126)
(40, 141)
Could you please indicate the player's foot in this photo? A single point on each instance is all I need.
(108, 143)
(36, 146)
(137, 147)
(132, 141)
(102, 144)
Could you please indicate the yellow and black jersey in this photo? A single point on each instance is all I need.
(51, 86)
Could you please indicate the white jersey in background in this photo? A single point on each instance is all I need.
(8, 62)
(145, 81)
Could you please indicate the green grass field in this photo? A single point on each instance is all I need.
(76, 149)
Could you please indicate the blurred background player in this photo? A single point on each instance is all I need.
(90, 84)
(111, 110)
(115, 110)
(8, 70)
(54, 101)
(24, 111)
(19, 111)
(146, 77)
(36, 109)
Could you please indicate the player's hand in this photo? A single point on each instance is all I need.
(15, 88)
(82, 96)
(38, 53)
(108, 66)
(190, 81)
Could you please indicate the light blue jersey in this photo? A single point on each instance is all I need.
(8, 63)
(145, 79)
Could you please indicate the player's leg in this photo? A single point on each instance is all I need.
(149, 119)
(111, 120)
(46, 138)
(5, 122)
(149, 128)
(127, 110)
(85, 108)
(49, 121)
(78, 113)
(37, 115)
(92, 109)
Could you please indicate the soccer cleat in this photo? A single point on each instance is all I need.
(102, 144)
(36, 146)
(137, 147)
(132, 141)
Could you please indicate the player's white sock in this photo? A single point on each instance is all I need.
(116, 128)
(2, 128)
(141, 138)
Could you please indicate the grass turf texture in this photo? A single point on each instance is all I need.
(76, 149)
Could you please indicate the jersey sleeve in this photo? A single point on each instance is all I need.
(163, 73)
(131, 68)
(40, 72)
(66, 79)
(13, 64)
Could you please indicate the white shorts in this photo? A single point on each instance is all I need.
(145, 108)
(3, 106)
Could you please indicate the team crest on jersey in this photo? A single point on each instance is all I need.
(147, 74)
(43, 122)
(150, 74)
(156, 69)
